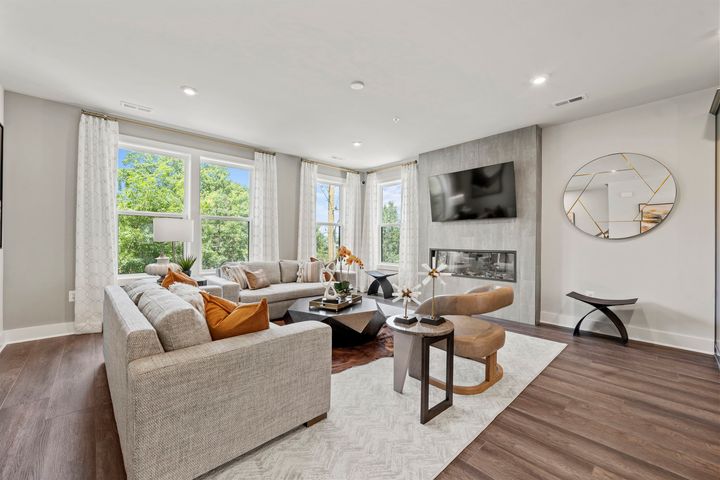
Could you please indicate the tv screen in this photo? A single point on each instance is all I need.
(477, 194)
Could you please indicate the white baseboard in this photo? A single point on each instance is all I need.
(27, 334)
(657, 337)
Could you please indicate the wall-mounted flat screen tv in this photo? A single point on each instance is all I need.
(477, 194)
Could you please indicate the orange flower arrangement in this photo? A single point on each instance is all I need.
(347, 257)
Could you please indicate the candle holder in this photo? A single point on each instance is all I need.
(407, 295)
(434, 273)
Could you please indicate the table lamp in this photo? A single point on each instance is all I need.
(172, 230)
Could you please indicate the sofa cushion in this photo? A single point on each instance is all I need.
(191, 295)
(272, 269)
(256, 279)
(136, 289)
(177, 323)
(282, 291)
(289, 270)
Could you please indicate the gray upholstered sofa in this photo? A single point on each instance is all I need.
(284, 288)
(183, 412)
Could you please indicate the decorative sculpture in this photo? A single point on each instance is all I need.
(407, 295)
(434, 272)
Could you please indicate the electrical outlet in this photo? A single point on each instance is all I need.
(71, 296)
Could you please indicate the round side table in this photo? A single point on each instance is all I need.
(412, 353)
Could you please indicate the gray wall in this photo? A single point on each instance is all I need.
(39, 210)
(39, 204)
(521, 233)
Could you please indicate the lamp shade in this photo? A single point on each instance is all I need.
(172, 230)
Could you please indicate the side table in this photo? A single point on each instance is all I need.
(381, 280)
(412, 350)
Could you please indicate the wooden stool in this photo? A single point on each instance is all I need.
(477, 340)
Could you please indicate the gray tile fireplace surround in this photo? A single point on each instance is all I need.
(521, 234)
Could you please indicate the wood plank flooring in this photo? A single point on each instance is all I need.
(599, 411)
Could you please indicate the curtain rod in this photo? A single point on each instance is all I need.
(392, 166)
(173, 130)
(342, 169)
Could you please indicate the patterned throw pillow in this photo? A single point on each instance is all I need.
(256, 279)
(309, 272)
(234, 273)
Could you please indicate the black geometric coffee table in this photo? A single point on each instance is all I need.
(353, 325)
(602, 305)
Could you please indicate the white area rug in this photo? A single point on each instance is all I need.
(372, 432)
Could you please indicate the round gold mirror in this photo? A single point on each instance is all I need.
(621, 195)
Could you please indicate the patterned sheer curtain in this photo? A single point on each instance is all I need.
(351, 213)
(306, 223)
(408, 268)
(370, 245)
(96, 219)
(264, 243)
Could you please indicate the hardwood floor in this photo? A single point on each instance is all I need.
(599, 411)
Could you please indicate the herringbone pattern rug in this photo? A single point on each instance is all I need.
(372, 432)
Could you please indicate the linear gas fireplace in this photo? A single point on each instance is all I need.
(486, 264)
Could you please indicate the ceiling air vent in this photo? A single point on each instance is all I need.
(135, 106)
(568, 101)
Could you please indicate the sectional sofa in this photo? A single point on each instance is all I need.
(185, 404)
(284, 287)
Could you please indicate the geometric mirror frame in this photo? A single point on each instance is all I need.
(621, 195)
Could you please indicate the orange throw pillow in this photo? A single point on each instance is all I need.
(227, 319)
(177, 277)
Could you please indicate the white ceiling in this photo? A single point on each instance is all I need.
(276, 74)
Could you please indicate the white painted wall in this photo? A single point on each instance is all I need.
(671, 268)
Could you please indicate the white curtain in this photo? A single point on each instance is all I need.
(96, 220)
(264, 243)
(370, 245)
(306, 223)
(351, 212)
(408, 268)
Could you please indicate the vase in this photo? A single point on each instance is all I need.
(160, 267)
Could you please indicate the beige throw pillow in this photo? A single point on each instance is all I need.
(235, 273)
(256, 279)
(310, 272)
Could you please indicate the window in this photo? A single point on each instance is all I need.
(150, 184)
(154, 180)
(224, 213)
(390, 201)
(327, 219)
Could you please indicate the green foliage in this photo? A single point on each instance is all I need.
(156, 183)
(186, 262)
(325, 250)
(390, 235)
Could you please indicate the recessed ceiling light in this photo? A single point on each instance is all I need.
(357, 85)
(396, 119)
(189, 91)
(357, 144)
(539, 80)
(613, 171)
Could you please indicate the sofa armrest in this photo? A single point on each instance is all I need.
(230, 290)
(199, 407)
(213, 290)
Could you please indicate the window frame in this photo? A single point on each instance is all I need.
(340, 182)
(381, 186)
(216, 159)
(192, 160)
